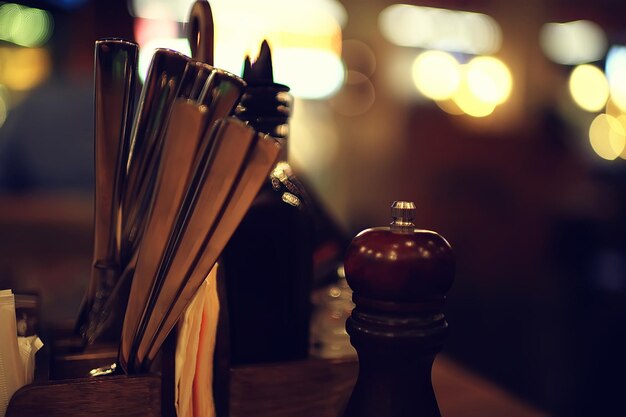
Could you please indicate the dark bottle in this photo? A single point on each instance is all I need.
(268, 261)
(399, 276)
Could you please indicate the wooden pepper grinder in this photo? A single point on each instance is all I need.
(400, 276)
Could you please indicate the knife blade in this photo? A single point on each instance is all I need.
(209, 190)
(181, 142)
(115, 73)
(155, 104)
(262, 157)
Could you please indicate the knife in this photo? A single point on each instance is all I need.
(184, 280)
(155, 104)
(115, 62)
(197, 79)
(180, 145)
(207, 193)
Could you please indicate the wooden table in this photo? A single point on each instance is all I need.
(318, 388)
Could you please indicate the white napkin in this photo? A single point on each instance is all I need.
(17, 354)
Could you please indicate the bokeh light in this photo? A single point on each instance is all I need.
(470, 103)
(607, 136)
(29, 67)
(146, 30)
(305, 37)
(489, 79)
(572, 43)
(24, 26)
(311, 73)
(616, 74)
(589, 87)
(612, 108)
(434, 28)
(147, 51)
(436, 74)
(622, 120)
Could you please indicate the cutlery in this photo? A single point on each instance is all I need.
(155, 104)
(190, 269)
(114, 85)
(180, 143)
(212, 181)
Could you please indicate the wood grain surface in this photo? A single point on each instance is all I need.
(319, 388)
(120, 396)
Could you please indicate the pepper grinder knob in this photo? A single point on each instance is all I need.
(403, 214)
(399, 276)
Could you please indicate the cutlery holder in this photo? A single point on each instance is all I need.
(309, 387)
(61, 388)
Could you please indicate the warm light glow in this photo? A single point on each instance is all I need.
(612, 108)
(305, 37)
(589, 87)
(29, 67)
(178, 10)
(305, 42)
(471, 104)
(607, 136)
(622, 120)
(616, 74)
(436, 74)
(489, 79)
(175, 10)
(24, 26)
(434, 28)
(147, 51)
(311, 73)
(572, 43)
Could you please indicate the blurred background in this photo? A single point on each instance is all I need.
(505, 122)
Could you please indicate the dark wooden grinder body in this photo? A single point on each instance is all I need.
(399, 281)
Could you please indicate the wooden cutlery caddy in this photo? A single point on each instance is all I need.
(62, 387)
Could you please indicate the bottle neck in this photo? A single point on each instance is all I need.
(267, 108)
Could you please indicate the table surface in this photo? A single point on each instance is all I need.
(461, 393)
(319, 388)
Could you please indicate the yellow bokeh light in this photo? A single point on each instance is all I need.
(622, 120)
(607, 136)
(29, 67)
(589, 87)
(489, 79)
(612, 108)
(471, 104)
(436, 74)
